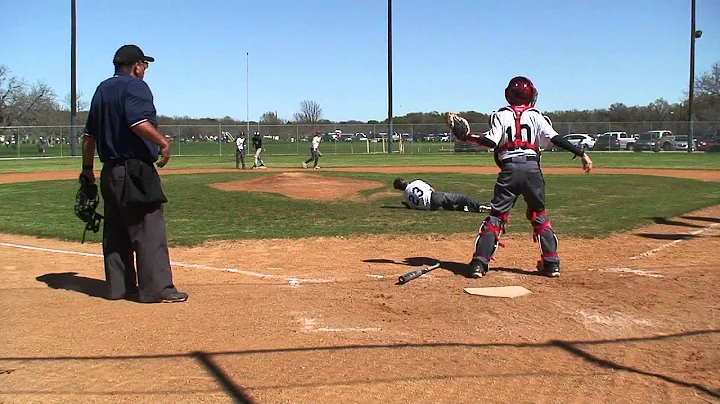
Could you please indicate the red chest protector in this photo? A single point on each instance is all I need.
(517, 141)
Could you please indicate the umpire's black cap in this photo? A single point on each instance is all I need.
(129, 54)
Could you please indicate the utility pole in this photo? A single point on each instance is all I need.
(691, 90)
(390, 88)
(247, 95)
(73, 79)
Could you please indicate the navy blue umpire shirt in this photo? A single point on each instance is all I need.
(119, 103)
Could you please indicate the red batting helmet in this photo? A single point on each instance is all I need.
(521, 91)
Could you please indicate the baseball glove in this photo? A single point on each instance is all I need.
(459, 126)
(86, 201)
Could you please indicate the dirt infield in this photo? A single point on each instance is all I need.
(301, 186)
(634, 318)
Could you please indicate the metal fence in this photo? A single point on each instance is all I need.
(291, 139)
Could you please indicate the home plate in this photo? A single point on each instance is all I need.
(499, 291)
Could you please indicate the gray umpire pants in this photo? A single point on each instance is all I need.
(239, 158)
(138, 230)
(451, 201)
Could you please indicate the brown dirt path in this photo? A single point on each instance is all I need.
(633, 319)
(301, 186)
(703, 175)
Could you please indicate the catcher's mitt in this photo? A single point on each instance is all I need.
(86, 201)
(459, 126)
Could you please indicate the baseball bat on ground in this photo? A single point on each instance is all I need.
(407, 277)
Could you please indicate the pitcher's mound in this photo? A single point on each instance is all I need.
(301, 186)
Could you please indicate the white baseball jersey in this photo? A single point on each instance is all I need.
(530, 127)
(316, 142)
(240, 142)
(417, 195)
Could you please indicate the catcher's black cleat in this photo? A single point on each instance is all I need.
(478, 269)
(551, 269)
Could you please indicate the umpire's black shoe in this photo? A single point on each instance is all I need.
(551, 269)
(175, 297)
(478, 269)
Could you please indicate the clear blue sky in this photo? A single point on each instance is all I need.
(448, 55)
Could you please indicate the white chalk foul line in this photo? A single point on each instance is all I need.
(173, 263)
(639, 272)
(681, 239)
(310, 325)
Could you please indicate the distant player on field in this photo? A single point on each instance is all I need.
(314, 151)
(258, 145)
(420, 195)
(240, 150)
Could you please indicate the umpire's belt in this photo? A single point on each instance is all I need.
(519, 159)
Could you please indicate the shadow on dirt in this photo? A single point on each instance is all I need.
(669, 237)
(457, 268)
(74, 283)
(239, 395)
(518, 271)
(223, 378)
(670, 222)
(702, 218)
(608, 364)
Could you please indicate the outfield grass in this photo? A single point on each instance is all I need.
(707, 161)
(585, 206)
(281, 147)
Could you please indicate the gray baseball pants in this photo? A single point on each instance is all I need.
(239, 158)
(314, 155)
(451, 201)
(518, 176)
(258, 160)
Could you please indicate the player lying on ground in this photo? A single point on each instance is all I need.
(420, 195)
(517, 132)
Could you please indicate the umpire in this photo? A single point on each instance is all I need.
(122, 123)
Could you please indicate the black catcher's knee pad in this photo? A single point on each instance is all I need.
(543, 233)
(492, 226)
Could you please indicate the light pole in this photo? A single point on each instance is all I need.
(390, 97)
(247, 94)
(73, 79)
(693, 35)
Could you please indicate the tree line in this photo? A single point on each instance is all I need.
(37, 104)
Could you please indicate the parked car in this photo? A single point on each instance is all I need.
(708, 143)
(615, 141)
(673, 142)
(581, 140)
(647, 141)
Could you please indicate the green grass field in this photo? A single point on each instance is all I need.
(580, 205)
(698, 161)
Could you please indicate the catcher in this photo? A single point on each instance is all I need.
(517, 131)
